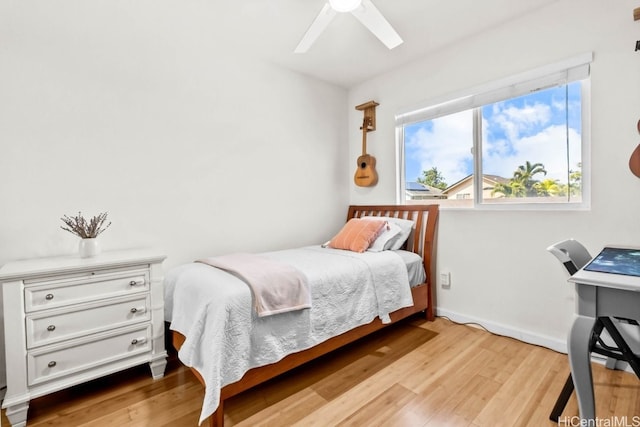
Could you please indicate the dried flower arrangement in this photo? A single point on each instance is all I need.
(90, 229)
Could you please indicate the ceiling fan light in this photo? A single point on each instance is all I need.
(344, 5)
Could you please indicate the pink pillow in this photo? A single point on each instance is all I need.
(357, 235)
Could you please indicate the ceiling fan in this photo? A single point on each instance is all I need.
(363, 10)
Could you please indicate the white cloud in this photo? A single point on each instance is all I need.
(520, 135)
(514, 121)
(547, 146)
(447, 146)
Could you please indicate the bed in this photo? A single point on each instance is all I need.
(230, 346)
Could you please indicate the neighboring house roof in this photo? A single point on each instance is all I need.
(416, 190)
(489, 181)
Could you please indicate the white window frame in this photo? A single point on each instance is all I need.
(560, 73)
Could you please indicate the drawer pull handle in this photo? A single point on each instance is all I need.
(52, 364)
(138, 310)
(138, 341)
(51, 328)
(136, 282)
(48, 297)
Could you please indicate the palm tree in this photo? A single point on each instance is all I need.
(522, 184)
(525, 173)
(510, 189)
(548, 187)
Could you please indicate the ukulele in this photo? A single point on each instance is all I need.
(366, 175)
(634, 161)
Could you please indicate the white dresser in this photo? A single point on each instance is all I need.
(68, 320)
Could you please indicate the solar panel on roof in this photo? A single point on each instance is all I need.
(416, 186)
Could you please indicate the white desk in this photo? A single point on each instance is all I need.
(599, 295)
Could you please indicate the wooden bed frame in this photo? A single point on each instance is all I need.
(422, 241)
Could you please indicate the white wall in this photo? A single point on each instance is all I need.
(190, 147)
(501, 274)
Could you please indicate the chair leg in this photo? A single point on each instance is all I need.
(597, 330)
(562, 400)
(623, 347)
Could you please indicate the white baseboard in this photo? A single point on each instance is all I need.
(508, 331)
(528, 337)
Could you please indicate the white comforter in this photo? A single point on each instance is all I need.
(224, 336)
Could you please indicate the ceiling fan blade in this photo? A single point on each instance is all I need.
(323, 19)
(371, 18)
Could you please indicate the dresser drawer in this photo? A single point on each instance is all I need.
(51, 326)
(54, 362)
(66, 291)
(68, 320)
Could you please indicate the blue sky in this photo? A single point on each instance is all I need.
(529, 128)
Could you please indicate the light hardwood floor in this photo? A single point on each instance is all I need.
(416, 373)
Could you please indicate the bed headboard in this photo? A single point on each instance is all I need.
(422, 240)
(425, 217)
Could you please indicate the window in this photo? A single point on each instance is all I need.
(519, 142)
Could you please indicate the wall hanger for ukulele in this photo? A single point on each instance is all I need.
(366, 175)
(636, 17)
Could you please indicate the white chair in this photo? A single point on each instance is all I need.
(573, 255)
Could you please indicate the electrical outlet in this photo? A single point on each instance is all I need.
(445, 280)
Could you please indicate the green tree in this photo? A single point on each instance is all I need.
(433, 178)
(522, 184)
(511, 189)
(549, 187)
(525, 173)
(575, 181)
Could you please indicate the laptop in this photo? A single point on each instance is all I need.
(625, 261)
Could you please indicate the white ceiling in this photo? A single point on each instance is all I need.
(347, 53)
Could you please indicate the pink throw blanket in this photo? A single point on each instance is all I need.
(277, 287)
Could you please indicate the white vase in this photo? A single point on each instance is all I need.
(89, 248)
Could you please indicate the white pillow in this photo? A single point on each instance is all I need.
(389, 231)
(406, 225)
